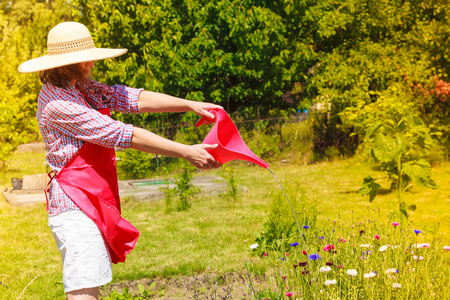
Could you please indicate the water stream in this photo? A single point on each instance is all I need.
(287, 198)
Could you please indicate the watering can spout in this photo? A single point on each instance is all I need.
(230, 145)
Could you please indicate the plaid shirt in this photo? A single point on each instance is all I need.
(66, 121)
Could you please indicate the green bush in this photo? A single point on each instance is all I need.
(134, 164)
(281, 227)
(183, 191)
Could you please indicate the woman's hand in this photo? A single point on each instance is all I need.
(202, 109)
(200, 158)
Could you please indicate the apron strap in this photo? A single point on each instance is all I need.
(88, 100)
(47, 188)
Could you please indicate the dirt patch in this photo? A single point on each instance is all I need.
(200, 286)
(31, 147)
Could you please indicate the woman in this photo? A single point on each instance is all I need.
(73, 116)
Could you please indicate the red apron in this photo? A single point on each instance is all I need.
(90, 180)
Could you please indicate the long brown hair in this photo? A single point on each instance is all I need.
(63, 76)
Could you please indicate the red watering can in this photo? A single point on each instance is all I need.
(230, 144)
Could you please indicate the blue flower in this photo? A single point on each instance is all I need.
(417, 231)
(314, 256)
(321, 237)
(306, 227)
(294, 244)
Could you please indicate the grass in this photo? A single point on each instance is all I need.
(371, 259)
(215, 234)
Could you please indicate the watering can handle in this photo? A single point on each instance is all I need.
(201, 122)
(205, 120)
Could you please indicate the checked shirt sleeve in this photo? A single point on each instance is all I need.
(75, 120)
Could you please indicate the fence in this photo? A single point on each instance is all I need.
(274, 125)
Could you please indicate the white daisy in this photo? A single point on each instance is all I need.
(370, 275)
(254, 246)
(325, 269)
(330, 282)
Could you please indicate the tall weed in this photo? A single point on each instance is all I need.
(178, 197)
(281, 227)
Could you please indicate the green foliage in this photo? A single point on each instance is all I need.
(281, 228)
(245, 55)
(126, 295)
(182, 192)
(369, 49)
(23, 29)
(369, 187)
(232, 187)
(238, 54)
(399, 141)
(371, 259)
(135, 164)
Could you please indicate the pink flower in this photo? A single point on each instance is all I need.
(447, 248)
(395, 224)
(424, 245)
(342, 240)
(287, 254)
(328, 247)
(377, 236)
(289, 294)
(265, 254)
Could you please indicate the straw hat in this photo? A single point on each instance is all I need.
(68, 43)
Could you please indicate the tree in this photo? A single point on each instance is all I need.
(23, 30)
(374, 49)
(236, 53)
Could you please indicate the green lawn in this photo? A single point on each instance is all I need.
(215, 233)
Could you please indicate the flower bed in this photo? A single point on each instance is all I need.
(371, 259)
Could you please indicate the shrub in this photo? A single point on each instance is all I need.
(282, 228)
(183, 191)
(135, 164)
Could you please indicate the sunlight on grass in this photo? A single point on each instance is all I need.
(215, 234)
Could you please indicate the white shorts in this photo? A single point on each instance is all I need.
(86, 260)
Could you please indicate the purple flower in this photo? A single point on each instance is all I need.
(314, 256)
(321, 237)
(306, 227)
(417, 231)
(293, 244)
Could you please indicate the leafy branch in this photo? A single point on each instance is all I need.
(398, 141)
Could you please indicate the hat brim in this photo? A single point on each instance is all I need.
(48, 62)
